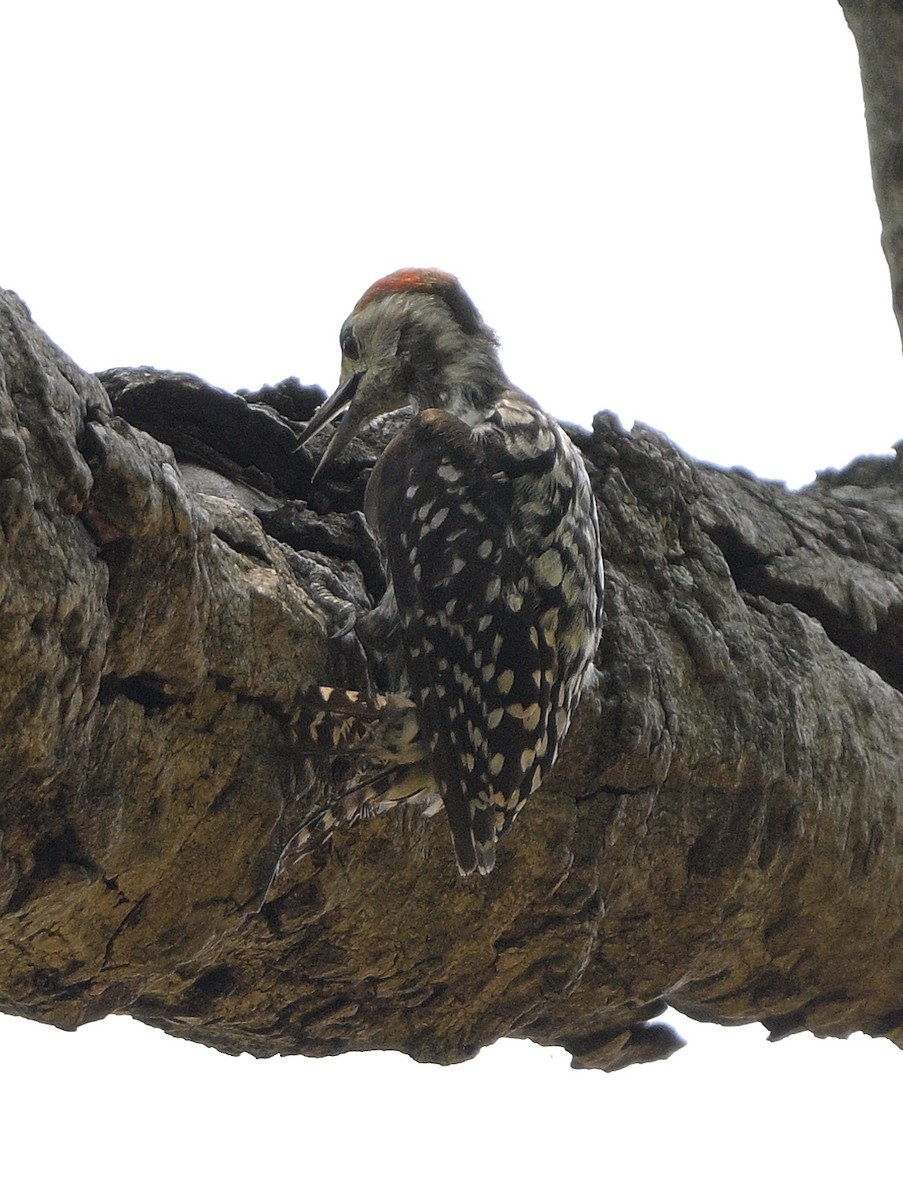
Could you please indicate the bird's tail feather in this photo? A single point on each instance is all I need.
(382, 728)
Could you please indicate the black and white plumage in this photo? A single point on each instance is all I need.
(487, 524)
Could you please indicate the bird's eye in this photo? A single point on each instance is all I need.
(350, 348)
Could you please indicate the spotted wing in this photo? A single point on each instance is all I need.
(479, 626)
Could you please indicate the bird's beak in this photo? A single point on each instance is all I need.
(339, 400)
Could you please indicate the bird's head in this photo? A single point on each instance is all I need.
(414, 337)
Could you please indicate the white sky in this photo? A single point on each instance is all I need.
(665, 209)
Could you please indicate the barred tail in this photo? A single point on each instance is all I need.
(382, 728)
(378, 794)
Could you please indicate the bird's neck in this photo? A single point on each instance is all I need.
(469, 386)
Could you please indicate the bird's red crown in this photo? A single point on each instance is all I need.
(431, 281)
(408, 279)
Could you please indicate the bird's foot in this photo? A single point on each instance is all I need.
(331, 596)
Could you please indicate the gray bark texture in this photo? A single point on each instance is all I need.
(722, 833)
(877, 26)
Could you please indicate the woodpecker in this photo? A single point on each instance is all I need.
(487, 525)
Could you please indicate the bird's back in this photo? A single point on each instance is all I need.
(491, 542)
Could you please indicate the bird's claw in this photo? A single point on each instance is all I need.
(343, 607)
(325, 589)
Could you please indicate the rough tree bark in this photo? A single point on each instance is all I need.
(877, 26)
(723, 832)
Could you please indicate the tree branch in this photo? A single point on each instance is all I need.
(720, 834)
(877, 26)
